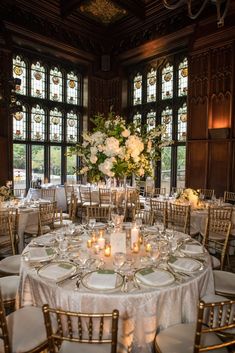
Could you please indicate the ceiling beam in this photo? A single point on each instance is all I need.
(136, 7)
(68, 6)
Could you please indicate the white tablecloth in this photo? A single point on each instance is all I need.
(142, 312)
(35, 194)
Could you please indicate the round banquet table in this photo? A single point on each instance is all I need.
(142, 311)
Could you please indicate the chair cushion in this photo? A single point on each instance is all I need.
(26, 329)
(224, 282)
(215, 262)
(74, 347)
(180, 339)
(11, 265)
(213, 298)
(9, 286)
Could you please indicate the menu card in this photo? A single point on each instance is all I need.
(118, 242)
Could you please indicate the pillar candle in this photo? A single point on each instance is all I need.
(134, 236)
(101, 242)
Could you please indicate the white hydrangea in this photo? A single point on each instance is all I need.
(93, 159)
(135, 146)
(111, 147)
(125, 133)
(98, 137)
(106, 166)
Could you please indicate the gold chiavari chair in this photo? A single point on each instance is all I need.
(201, 336)
(158, 211)
(107, 197)
(145, 216)
(178, 217)
(69, 190)
(229, 197)
(9, 286)
(131, 203)
(224, 283)
(46, 219)
(207, 193)
(175, 190)
(101, 214)
(63, 219)
(84, 332)
(48, 194)
(216, 240)
(22, 330)
(19, 193)
(159, 191)
(7, 242)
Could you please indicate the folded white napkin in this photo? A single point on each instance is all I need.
(57, 272)
(184, 264)
(193, 249)
(103, 279)
(40, 254)
(157, 277)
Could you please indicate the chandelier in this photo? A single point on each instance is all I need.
(221, 8)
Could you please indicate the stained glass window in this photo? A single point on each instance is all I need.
(183, 78)
(151, 85)
(46, 125)
(72, 88)
(38, 124)
(72, 127)
(56, 84)
(38, 80)
(167, 120)
(151, 120)
(19, 71)
(182, 123)
(19, 124)
(137, 120)
(167, 81)
(137, 91)
(55, 125)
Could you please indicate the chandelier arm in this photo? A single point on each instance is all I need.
(194, 16)
(171, 6)
(220, 18)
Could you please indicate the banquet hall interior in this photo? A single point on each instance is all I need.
(117, 176)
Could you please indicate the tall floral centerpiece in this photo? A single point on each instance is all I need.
(189, 195)
(115, 149)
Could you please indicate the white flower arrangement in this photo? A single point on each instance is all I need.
(117, 149)
(6, 193)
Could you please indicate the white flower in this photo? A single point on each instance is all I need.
(98, 137)
(106, 167)
(125, 133)
(84, 170)
(111, 147)
(93, 159)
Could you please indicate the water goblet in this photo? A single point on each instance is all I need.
(119, 259)
(63, 247)
(155, 254)
(92, 222)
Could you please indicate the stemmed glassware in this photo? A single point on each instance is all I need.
(119, 259)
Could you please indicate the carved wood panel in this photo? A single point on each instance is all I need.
(219, 166)
(198, 96)
(196, 174)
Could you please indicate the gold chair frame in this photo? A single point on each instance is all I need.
(178, 216)
(48, 194)
(229, 196)
(56, 338)
(6, 230)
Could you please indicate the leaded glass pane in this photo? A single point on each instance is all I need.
(19, 71)
(181, 162)
(166, 168)
(55, 165)
(19, 165)
(38, 166)
(38, 80)
(137, 119)
(19, 124)
(72, 88)
(55, 125)
(151, 120)
(38, 124)
(167, 82)
(182, 123)
(72, 127)
(183, 78)
(167, 120)
(71, 166)
(151, 85)
(56, 84)
(137, 89)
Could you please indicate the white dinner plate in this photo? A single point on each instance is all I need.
(185, 264)
(154, 277)
(102, 281)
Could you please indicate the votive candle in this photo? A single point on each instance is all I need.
(107, 250)
(101, 242)
(148, 247)
(96, 249)
(89, 243)
(136, 247)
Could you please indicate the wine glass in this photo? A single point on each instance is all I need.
(63, 247)
(119, 259)
(92, 223)
(155, 254)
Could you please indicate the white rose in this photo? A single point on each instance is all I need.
(125, 133)
(93, 159)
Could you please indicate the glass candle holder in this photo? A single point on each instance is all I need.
(107, 250)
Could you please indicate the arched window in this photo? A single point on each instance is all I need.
(56, 84)
(137, 89)
(20, 72)
(38, 80)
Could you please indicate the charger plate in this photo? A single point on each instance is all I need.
(154, 277)
(102, 281)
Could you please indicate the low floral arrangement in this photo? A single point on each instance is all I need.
(5, 193)
(190, 195)
(117, 149)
